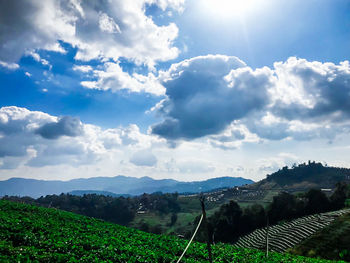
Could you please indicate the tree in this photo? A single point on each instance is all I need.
(339, 196)
(226, 222)
(283, 207)
(317, 202)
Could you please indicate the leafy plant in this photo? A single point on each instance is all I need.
(29, 233)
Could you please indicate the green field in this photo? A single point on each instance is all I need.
(35, 234)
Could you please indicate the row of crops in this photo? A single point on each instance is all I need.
(287, 235)
(29, 233)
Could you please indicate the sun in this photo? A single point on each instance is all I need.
(230, 8)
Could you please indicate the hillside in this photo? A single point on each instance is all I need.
(304, 176)
(30, 233)
(118, 185)
(333, 242)
(287, 235)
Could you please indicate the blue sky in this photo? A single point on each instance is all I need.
(183, 89)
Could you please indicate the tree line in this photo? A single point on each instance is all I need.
(118, 210)
(231, 221)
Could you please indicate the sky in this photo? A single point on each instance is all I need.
(181, 89)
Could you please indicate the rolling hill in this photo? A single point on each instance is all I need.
(304, 176)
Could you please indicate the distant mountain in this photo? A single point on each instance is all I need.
(117, 185)
(304, 176)
(97, 192)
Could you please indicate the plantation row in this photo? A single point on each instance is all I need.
(30, 233)
(287, 235)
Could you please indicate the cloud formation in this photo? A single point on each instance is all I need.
(205, 94)
(295, 99)
(37, 139)
(99, 29)
(65, 126)
(112, 77)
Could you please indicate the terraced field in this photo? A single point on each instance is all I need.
(36, 234)
(288, 235)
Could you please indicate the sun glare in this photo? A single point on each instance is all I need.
(230, 8)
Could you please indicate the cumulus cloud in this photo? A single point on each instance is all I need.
(214, 95)
(205, 94)
(30, 25)
(311, 90)
(65, 126)
(37, 139)
(113, 78)
(98, 29)
(144, 158)
(107, 24)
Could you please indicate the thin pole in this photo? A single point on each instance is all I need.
(206, 228)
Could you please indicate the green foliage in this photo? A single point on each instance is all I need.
(231, 222)
(347, 202)
(35, 234)
(118, 210)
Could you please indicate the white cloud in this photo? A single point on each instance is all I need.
(37, 139)
(311, 90)
(29, 25)
(214, 95)
(10, 66)
(82, 68)
(112, 77)
(206, 94)
(164, 4)
(107, 24)
(31, 147)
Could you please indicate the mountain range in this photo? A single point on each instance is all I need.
(121, 185)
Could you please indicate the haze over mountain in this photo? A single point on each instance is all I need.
(118, 185)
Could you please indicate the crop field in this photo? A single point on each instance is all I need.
(30, 233)
(289, 234)
(332, 242)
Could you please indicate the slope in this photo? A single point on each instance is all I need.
(29, 233)
(289, 234)
(333, 242)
